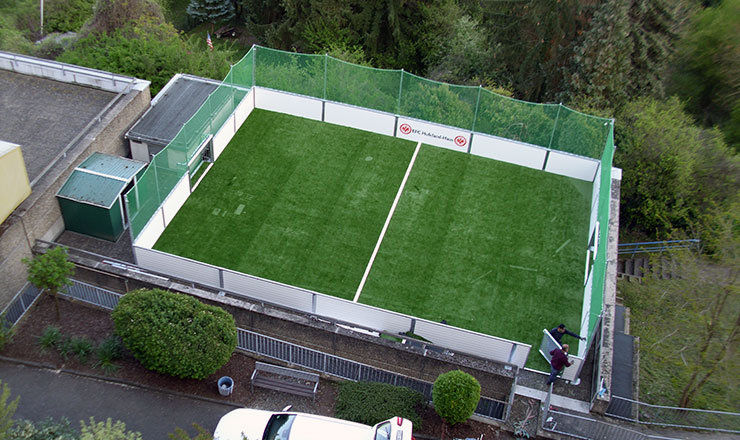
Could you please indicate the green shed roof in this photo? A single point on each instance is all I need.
(113, 166)
(100, 179)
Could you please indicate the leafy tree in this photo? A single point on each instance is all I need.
(149, 50)
(106, 431)
(708, 68)
(66, 15)
(50, 272)
(455, 396)
(675, 173)
(175, 334)
(181, 434)
(214, 11)
(7, 409)
(534, 39)
(689, 325)
(113, 15)
(455, 46)
(44, 430)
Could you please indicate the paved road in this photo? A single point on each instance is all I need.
(46, 393)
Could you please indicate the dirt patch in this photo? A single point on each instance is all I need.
(81, 320)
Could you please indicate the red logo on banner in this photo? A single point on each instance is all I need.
(405, 128)
(460, 141)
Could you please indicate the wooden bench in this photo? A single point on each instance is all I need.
(284, 379)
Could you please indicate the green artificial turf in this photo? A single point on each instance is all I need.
(293, 200)
(487, 246)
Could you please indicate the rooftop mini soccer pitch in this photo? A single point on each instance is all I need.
(485, 245)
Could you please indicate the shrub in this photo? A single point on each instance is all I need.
(7, 409)
(43, 430)
(455, 396)
(175, 334)
(372, 402)
(107, 431)
(81, 347)
(65, 347)
(50, 338)
(109, 350)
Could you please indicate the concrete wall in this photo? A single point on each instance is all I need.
(39, 216)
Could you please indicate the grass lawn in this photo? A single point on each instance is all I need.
(293, 200)
(487, 246)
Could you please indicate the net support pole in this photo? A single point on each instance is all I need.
(326, 60)
(400, 87)
(254, 65)
(554, 126)
(477, 104)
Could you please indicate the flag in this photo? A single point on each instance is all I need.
(208, 40)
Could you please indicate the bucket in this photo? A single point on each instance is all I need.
(225, 386)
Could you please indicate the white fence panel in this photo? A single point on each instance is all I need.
(362, 315)
(269, 291)
(176, 199)
(508, 151)
(287, 103)
(359, 118)
(572, 166)
(244, 109)
(151, 232)
(473, 343)
(224, 135)
(433, 134)
(570, 372)
(177, 266)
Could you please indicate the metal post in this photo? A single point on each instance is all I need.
(477, 103)
(400, 87)
(254, 65)
(326, 60)
(557, 116)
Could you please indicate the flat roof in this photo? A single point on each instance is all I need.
(171, 109)
(43, 115)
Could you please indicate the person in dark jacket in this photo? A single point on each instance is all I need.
(558, 332)
(558, 361)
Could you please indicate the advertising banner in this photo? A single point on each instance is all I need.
(432, 134)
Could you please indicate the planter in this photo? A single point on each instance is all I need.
(225, 386)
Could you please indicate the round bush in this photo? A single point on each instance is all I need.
(175, 334)
(455, 396)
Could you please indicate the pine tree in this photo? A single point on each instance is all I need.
(211, 10)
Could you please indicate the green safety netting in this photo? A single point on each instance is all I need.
(599, 267)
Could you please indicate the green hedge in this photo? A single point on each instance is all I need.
(455, 396)
(175, 334)
(372, 402)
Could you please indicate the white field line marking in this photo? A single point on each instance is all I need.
(387, 222)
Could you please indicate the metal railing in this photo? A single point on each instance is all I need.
(670, 416)
(656, 246)
(266, 346)
(589, 428)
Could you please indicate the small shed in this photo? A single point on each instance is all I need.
(91, 199)
(173, 106)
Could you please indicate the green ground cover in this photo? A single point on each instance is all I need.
(487, 246)
(293, 200)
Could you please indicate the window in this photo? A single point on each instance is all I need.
(383, 432)
(278, 428)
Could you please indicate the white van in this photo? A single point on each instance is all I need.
(254, 424)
